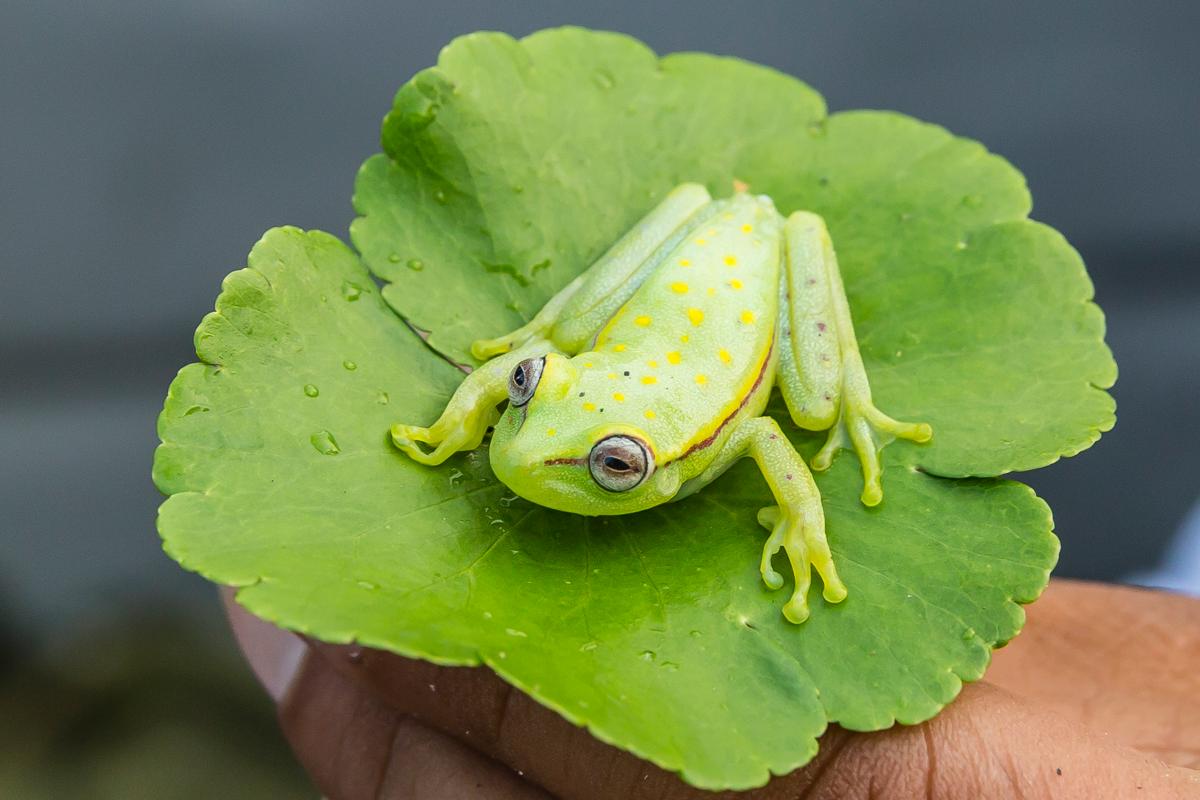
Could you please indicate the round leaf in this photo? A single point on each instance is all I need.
(283, 481)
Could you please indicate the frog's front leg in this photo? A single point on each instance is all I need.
(797, 524)
(821, 372)
(471, 411)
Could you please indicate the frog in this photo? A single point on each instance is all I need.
(647, 376)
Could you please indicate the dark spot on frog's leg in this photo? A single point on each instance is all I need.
(626, 373)
(602, 411)
(773, 436)
(827, 397)
(581, 394)
(811, 282)
(789, 476)
(821, 326)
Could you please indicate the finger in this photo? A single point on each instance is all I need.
(1117, 659)
(352, 744)
(988, 743)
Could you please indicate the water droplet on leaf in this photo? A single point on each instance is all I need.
(324, 443)
(415, 264)
(440, 196)
(350, 365)
(310, 390)
(383, 398)
(351, 291)
(648, 655)
(394, 258)
(604, 79)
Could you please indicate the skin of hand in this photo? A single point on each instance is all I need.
(1098, 697)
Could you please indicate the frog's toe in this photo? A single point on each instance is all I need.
(771, 519)
(483, 349)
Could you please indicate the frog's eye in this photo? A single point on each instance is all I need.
(524, 380)
(620, 463)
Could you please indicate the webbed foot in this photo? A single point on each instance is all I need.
(800, 531)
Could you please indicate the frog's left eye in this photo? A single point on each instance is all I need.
(619, 463)
(524, 380)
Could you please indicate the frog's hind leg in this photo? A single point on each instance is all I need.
(825, 383)
(572, 318)
(470, 412)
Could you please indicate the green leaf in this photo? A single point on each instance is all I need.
(512, 165)
(508, 168)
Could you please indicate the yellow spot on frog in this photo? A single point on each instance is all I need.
(701, 379)
(673, 357)
(747, 228)
(588, 365)
(679, 287)
(735, 283)
(683, 262)
(650, 414)
(710, 291)
(620, 348)
(589, 406)
(701, 242)
(731, 261)
(551, 432)
(649, 379)
(620, 398)
(696, 316)
(642, 321)
(612, 376)
(684, 339)
(723, 354)
(652, 364)
(727, 216)
(748, 317)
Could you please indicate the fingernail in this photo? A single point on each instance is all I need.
(274, 654)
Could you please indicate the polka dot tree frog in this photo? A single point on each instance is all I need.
(646, 377)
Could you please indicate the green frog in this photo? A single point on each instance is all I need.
(647, 376)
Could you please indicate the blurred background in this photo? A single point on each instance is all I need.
(145, 146)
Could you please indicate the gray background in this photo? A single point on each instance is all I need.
(146, 146)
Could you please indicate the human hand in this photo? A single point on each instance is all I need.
(1098, 697)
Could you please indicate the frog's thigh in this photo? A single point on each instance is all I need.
(471, 410)
(797, 524)
(810, 360)
(572, 317)
(613, 279)
(855, 421)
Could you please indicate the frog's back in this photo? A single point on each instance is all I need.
(694, 342)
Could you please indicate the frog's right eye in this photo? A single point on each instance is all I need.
(524, 380)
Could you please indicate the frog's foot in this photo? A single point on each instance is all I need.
(800, 532)
(867, 429)
(452, 433)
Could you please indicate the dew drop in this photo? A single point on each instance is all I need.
(394, 258)
(518, 188)
(588, 647)
(604, 79)
(515, 632)
(972, 201)
(351, 291)
(383, 398)
(415, 264)
(507, 501)
(195, 410)
(350, 365)
(440, 196)
(695, 634)
(487, 615)
(648, 655)
(310, 390)
(368, 585)
(456, 477)
(324, 443)
(670, 666)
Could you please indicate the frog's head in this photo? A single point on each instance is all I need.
(549, 452)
